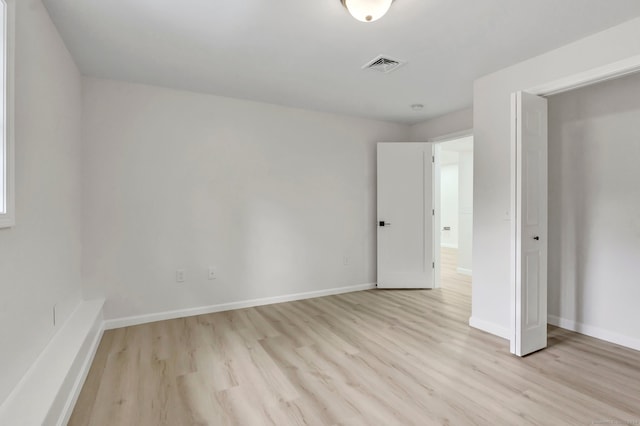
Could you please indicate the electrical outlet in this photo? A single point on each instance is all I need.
(180, 275)
(213, 273)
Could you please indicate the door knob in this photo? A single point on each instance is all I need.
(536, 238)
(383, 223)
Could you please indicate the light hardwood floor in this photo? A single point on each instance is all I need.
(450, 278)
(366, 358)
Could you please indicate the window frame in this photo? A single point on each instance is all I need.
(7, 147)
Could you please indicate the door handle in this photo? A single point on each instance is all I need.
(536, 238)
(383, 223)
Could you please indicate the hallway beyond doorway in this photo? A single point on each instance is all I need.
(450, 277)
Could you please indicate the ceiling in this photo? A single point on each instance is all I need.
(309, 53)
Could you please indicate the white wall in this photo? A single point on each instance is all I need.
(491, 265)
(449, 205)
(465, 212)
(594, 206)
(275, 197)
(40, 257)
(454, 122)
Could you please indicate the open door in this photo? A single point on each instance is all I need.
(405, 215)
(529, 169)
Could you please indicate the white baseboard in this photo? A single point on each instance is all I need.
(451, 246)
(47, 392)
(464, 271)
(598, 333)
(181, 313)
(491, 328)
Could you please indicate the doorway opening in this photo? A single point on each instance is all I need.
(455, 212)
(594, 210)
(585, 124)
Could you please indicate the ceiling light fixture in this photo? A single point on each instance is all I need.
(367, 10)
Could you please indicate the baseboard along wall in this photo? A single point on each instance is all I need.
(464, 271)
(189, 312)
(491, 328)
(567, 324)
(598, 333)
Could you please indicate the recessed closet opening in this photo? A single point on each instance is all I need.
(594, 210)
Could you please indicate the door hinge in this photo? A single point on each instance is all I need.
(433, 265)
(433, 158)
(433, 212)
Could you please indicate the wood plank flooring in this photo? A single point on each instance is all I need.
(368, 358)
(450, 278)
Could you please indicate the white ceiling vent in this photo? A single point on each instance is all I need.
(383, 64)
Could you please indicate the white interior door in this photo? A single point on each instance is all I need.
(529, 326)
(405, 215)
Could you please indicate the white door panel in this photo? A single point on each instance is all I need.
(405, 192)
(530, 231)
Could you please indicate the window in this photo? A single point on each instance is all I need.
(7, 208)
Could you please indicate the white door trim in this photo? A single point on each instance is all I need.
(596, 75)
(593, 76)
(452, 136)
(436, 217)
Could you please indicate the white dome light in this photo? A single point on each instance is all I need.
(367, 10)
